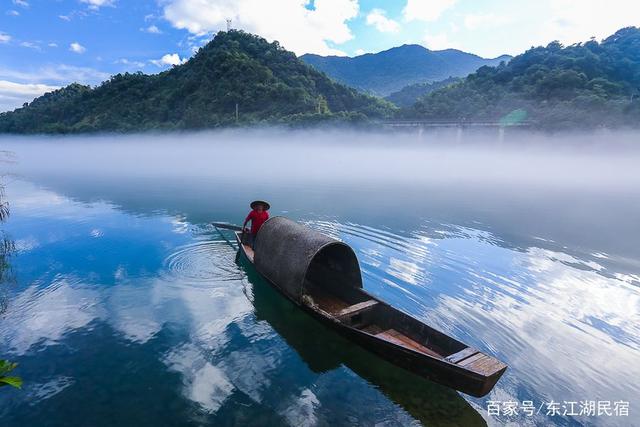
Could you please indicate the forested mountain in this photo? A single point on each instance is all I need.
(409, 95)
(266, 82)
(391, 70)
(582, 85)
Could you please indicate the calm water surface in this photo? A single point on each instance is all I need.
(126, 308)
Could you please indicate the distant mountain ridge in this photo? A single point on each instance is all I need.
(237, 78)
(391, 70)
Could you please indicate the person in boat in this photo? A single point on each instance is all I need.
(257, 216)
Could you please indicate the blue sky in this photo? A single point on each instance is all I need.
(45, 44)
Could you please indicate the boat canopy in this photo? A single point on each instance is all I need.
(293, 256)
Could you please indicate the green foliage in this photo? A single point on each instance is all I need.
(7, 246)
(267, 83)
(582, 85)
(386, 72)
(5, 368)
(408, 95)
(515, 117)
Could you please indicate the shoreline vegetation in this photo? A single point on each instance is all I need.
(239, 80)
(6, 247)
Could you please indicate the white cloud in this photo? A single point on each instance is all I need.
(4, 38)
(13, 95)
(77, 48)
(151, 29)
(168, 59)
(359, 52)
(11, 88)
(13, 13)
(439, 42)
(55, 73)
(422, 10)
(297, 28)
(64, 17)
(378, 19)
(53, 45)
(125, 61)
(30, 45)
(203, 383)
(570, 22)
(21, 3)
(475, 21)
(96, 4)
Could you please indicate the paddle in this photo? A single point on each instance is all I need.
(227, 226)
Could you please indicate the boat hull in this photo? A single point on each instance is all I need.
(431, 368)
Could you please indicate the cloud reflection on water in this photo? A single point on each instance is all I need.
(487, 244)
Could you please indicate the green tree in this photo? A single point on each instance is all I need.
(582, 85)
(268, 83)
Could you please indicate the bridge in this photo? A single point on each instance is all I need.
(460, 126)
(453, 124)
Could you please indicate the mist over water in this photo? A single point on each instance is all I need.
(523, 246)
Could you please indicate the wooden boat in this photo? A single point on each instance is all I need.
(322, 276)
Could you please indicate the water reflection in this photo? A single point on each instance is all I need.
(124, 294)
(323, 351)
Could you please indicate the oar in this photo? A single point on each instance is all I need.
(218, 226)
(227, 226)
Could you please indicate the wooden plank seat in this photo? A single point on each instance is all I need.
(398, 338)
(356, 308)
(462, 354)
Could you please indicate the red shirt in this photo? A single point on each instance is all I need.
(257, 219)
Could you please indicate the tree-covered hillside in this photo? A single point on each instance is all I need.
(583, 85)
(389, 71)
(266, 82)
(409, 95)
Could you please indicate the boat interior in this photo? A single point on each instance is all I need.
(332, 285)
(248, 250)
(328, 288)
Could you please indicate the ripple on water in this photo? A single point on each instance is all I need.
(203, 261)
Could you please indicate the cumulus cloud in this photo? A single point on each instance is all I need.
(21, 3)
(13, 13)
(168, 59)
(378, 19)
(4, 37)
(13, 95)
(421, 10)
(77, 48)
(290, 22)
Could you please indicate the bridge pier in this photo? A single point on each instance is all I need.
(459, 135)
